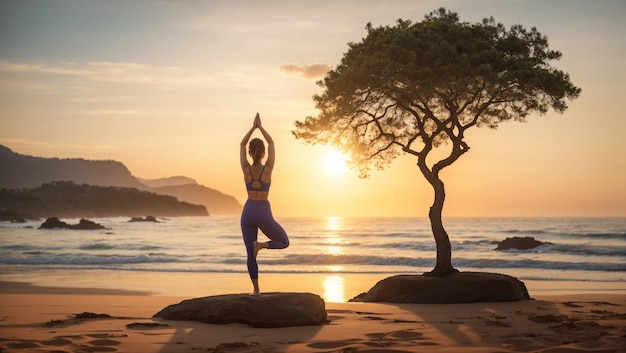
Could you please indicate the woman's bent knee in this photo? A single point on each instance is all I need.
(278, 244)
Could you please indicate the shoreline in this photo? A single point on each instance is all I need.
(331, 286)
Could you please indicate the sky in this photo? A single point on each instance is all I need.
(170, 87)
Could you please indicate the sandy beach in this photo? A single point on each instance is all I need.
(45, 318)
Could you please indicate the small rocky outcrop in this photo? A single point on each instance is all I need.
(519, 243)
(147, 219)
(54, 222)
(266, 310)
(459, 287)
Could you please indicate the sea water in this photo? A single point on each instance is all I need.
(576, 249)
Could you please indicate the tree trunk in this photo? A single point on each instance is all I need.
(444, 249)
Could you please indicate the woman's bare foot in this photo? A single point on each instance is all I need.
(255, 286)
(258, 246)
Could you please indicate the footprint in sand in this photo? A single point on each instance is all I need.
(98, 345)
(344, 344)
(57, 342)
(384, 350)
(23, 345)
(104, 342)
(405, 335)
(396, 337)
(96, 349)
(332, 344)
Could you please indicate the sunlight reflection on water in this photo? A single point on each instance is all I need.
(334, 289)
(334, 223)
(333, 239)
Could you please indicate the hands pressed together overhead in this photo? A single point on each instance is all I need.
(257, 121)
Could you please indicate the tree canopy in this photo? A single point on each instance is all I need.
(413, 86)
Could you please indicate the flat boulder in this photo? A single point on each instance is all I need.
(266, 310)
(459, 287)
(519, 243)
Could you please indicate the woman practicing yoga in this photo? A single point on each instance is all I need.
(257, 213)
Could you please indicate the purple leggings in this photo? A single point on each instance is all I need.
(258, 215)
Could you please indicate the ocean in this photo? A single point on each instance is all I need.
(578, 249)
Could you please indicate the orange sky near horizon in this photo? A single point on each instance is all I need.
(170, 88)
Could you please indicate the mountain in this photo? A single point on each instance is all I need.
(20, 171)
(69, 200)
(174, 180)
(215, 201)
(187, 189)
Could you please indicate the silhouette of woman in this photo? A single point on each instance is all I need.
(257, 213)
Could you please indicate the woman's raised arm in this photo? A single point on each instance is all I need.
(243, 157)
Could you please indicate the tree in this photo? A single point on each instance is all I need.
(414, 87)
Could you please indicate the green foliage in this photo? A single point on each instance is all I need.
(67, 199)
(413, 86)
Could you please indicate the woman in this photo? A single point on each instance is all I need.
(257, 213)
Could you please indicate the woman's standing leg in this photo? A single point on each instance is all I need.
(250, 231)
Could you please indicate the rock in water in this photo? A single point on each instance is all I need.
(87, 224)
(54, 222)
(460, 287)
(519, 243)
(266, 310)
(147, 219)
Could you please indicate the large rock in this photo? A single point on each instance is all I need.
(267, 310)
(459, 287)
(520, 243)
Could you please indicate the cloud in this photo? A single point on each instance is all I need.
(307, 71)
(109, 112)
(115, 72)
(267, 17)
(15, 85)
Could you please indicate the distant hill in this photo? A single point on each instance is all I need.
(69, 200)
(20, 171)
(169, 181)
(215, 201)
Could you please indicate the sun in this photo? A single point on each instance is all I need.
(335, 162)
